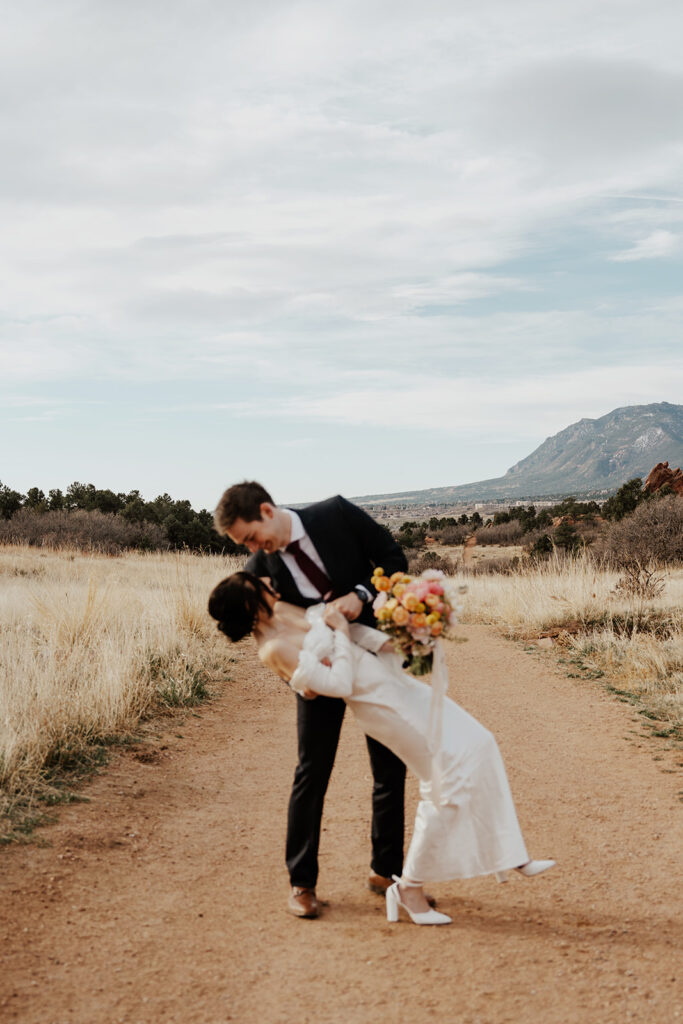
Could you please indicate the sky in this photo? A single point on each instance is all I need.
(356, 247)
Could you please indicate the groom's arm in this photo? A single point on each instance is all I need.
(377, 547)
(375, 541)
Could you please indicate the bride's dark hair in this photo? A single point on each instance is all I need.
(236, 601)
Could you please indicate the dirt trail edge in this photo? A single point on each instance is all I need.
(162, 900)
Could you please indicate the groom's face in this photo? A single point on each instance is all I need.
(264, 534)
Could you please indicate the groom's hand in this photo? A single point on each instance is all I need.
(350, 605)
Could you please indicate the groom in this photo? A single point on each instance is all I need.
(325, 552)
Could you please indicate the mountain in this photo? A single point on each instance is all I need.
(591, 455)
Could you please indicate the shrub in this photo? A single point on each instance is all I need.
(651, 534)
(566, 537)
(451, 534)
(501, 533)
(542, 546)
(92, 531)
(625, 501)
(417, 563)
(494, 567)
(640, 581)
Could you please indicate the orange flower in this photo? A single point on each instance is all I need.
(382, 583)
(411, 602)
(431, 600)
(400, 616)
(396, 576)
(418, 621)
(436, 628)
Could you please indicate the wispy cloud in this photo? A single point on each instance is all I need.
(655, 246)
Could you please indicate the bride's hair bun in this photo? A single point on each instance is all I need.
(235, 602)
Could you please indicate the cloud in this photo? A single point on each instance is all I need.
(655, 246)
(586, 113)
(322, 206)
(482, 407)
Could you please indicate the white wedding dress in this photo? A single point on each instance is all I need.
(474, 829)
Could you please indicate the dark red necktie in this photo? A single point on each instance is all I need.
(316, 576)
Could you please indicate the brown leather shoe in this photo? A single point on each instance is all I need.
(302, 902)
(379, 885)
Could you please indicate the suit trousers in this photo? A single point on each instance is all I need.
(319, 724)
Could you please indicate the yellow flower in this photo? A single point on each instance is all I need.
(391, 604)
(432, 618)
(396, 576)
(398, 589)
(378, 572)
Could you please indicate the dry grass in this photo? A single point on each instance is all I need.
(88, 646)
(635, 643)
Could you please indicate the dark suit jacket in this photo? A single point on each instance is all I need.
(350, 544)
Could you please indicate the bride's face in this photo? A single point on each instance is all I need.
(270, 597)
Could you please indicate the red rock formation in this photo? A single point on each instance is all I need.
(662, 475)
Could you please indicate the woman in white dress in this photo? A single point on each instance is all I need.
(474, 829)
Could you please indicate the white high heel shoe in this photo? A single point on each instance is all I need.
(531, 868)
(535, 867)
(394, 902)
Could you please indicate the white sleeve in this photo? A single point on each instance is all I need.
(329, 681)
(365, 636)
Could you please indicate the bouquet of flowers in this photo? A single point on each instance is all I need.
(415, 611)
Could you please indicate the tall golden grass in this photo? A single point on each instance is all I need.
(89, 644)
(636, 643)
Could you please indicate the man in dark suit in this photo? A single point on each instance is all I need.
(325, 552)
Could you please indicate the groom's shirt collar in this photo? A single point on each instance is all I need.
(297, 530)
(304, 585)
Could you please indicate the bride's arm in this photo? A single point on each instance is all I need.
(305, 674)
(332, 677)
(281, 656)
(370, 639)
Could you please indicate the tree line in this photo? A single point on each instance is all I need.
(566, 525)
(89, 516)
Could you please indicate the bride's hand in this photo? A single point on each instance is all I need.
(335, 620)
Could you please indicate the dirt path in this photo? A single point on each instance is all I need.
(162, 900)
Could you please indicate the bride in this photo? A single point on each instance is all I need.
(474, 829)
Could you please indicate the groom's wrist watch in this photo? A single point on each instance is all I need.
(362, 593)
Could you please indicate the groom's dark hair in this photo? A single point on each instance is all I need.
(241, 501)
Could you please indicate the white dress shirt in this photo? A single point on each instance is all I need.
(304, 585)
